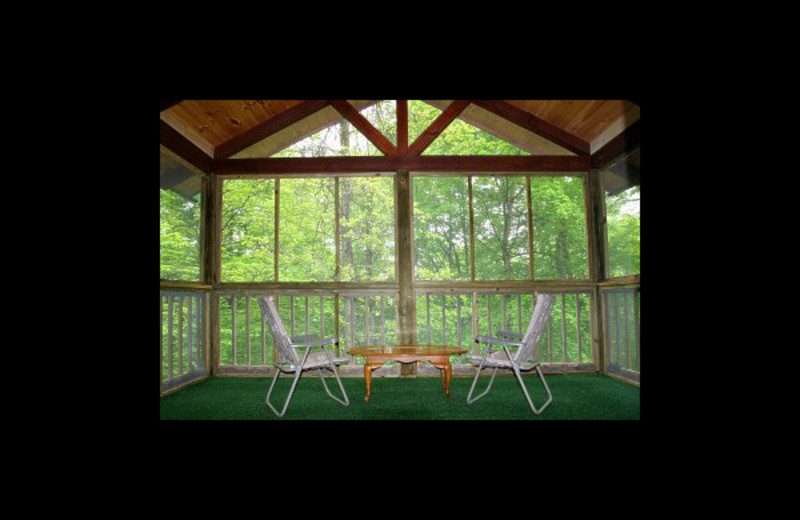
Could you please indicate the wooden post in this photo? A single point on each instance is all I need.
(596, 243)
(406, 305)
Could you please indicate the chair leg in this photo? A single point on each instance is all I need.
(470, 399)
(297, 374)
(525, 390)
(346, 401)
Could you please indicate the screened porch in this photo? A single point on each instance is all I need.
(399, 222)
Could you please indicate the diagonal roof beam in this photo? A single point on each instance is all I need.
(363, 125)
(438, 126)
(184, 148)
(535, 124)
(268, 127)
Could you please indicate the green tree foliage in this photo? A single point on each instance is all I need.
(559, 228)
(248, 230)
(622, 216)
(180, 237)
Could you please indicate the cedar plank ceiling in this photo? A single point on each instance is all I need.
(210, 123)
(207, 124)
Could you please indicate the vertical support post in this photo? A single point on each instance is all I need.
(471, 230)
(212, 323)
(277, 231)
(406, 305)
(530, 226)
(402, 126)
(594, 203)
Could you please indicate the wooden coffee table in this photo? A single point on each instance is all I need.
(376, 356)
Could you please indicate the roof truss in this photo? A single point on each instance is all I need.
(404, 155)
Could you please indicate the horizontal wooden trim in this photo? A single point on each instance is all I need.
(621, 280)
(501, 287)
(307, 286)
(169, 284)
(431, 163)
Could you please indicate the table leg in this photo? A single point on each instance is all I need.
(367, 379)
(448, 374)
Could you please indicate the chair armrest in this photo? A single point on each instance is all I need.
(304, 339)
(509, 335)
(494, 341)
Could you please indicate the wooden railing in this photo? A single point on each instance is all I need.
(184, 340)
(621, 324)
(456, 317)
(354, 317)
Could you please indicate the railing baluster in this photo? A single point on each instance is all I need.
(169, 333)
(180, 336)
(636, 324)
(201, 358)
(263, 339)
(322, 316)
(307, 316)
(190, 344)
(503, 306)
(627, 326)
(352, 321)
(578, 325)
(458, 317)
(161, 332)
(607, 298)
(550, 337)
(475, 346)
(247, 325)
(291, 313)
(519, 310)
(489, 312)
(428, 314)
(616, 326)
(444, 322)
(367, 316)
(233, 328)
(564, 326)
(383, 319)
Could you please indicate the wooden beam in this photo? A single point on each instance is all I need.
(268, 127)
(402, 126)
(623, 143)
(430, 163)
(535, 124)
(185, 149)
(438, 126)
(363, 125)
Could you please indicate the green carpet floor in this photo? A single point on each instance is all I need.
(575, 397)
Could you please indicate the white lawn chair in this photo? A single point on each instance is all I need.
(524, 359)
(291, 362)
